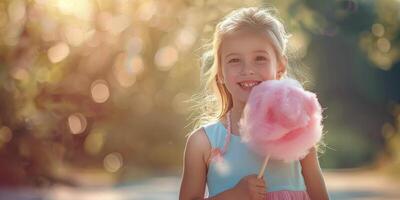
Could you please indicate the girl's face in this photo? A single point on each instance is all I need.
(247, 58)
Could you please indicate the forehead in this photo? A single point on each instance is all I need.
(242, 42)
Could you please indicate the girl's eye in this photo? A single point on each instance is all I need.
(234, 60)
(261, 58)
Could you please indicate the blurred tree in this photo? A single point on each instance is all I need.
(95, 84)
(353, 52)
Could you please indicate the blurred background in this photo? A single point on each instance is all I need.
(96, 93)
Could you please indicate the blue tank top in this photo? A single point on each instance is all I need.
(239, 161)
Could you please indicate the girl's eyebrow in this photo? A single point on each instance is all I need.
(231, 54)
(261, 51)
(256, 51)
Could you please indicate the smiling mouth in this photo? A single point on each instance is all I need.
(246, 85)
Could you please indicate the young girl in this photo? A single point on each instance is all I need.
(249, 47)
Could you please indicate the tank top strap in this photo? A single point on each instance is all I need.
(216, 134)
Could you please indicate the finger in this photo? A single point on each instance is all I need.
(261, 190)
(262, 181)
(257, 181)
(260, 184)
(258, 190)
(261, 196)
(261, 193)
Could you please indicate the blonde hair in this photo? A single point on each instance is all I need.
(215, 100)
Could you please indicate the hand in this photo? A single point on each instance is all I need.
(251, 188)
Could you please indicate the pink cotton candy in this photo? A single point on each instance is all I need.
(282, 120)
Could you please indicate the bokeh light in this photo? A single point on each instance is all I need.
(378, 30)
(58, 52)
(83, 9)
(147, 10)
(16, 10)
(100, 91)
(383, 45)
(48, 29)
(94, 142)
(77, 123)
(126, 69)
(186, 38)
(20, 74)
(113, 162)
(166, 57)
(5, 135)
(74, 35)
(134, 45)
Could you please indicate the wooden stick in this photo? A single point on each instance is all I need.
(261, 173)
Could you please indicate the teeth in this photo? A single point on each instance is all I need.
(246, 84)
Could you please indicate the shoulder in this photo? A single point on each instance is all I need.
(198, 138)
(198, 144)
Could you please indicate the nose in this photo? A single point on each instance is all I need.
(247, 69)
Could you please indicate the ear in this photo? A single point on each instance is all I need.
(281, 67)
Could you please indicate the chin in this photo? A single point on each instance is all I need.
(240, 96)
(243, 99)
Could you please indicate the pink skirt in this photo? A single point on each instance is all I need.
(287, 195)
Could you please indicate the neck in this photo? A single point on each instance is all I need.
(236, 114)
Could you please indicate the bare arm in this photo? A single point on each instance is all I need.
(313, 178)
(197, 153)
(194, 167)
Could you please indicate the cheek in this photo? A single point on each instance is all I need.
(229, 73)
(230, 80)
(269, 71)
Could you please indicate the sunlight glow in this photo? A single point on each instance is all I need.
(80, 8)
